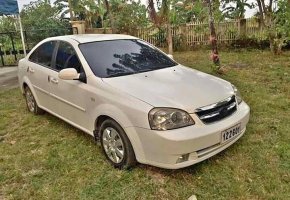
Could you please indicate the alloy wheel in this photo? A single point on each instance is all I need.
(113, 145)
(30, 100)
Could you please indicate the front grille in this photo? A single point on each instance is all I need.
(218, 111)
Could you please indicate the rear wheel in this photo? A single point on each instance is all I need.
(116, 145)
(31, 103)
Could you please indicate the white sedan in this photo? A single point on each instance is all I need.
(137, 101)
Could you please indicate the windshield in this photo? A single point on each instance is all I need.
(123, 57)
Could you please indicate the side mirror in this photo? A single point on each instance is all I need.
(68, 74)
(170, 56)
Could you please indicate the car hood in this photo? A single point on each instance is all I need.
(177, 87)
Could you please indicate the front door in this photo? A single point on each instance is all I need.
(72, 94)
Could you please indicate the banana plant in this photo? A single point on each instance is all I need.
(235, 9)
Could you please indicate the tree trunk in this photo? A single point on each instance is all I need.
(169, 39)
(152, 12)
(110, 16)
(70, 10)
(213, 40)
(261, 14)
(112, 23)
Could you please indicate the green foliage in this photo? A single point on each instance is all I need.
(79, 7)
(235, 9)
(179, 42)
(128, 17)
(7, 23)
(40, 15)
(90, 11)
(283, 20)
(193, 11)
(278, 26)
(160, 37)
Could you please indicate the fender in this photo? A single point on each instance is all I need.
(114, 112)
(121, 118)
(29, 84)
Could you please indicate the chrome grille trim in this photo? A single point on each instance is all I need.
(217, 111)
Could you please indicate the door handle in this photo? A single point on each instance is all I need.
(29, 69)
(54, 80)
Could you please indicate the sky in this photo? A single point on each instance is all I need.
(21, 3)
(249, 12)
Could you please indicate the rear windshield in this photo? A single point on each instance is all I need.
(123, 57)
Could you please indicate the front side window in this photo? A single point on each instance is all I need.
(43, 54)
(66, 57)
(123, 57)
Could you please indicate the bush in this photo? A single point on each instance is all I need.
(252, 43)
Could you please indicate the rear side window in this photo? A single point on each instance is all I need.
(43, 54)
(67, 58)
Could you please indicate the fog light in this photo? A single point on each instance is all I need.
(193, 156)
(182, 158)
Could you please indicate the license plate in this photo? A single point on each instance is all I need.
(231, 133)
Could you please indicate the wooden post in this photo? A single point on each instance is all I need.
(183, 32)
(243, 28)
(169, 38)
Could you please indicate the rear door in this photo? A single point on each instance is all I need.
(38, 71)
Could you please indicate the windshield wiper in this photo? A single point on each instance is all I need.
(136, 72)
(119, 74)
(152, 69)
(145, 70)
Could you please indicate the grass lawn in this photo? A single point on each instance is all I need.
(42, 157)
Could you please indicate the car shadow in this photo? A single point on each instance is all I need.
(152, 171)
(53, 119)
(193, 170)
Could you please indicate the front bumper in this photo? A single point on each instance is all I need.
(200, 141)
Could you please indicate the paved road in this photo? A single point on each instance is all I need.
(8, 78)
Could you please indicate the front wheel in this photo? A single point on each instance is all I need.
(116, 145)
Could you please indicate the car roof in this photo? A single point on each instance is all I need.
(85, 38)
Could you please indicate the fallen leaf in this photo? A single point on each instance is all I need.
(193, 197)
(12, 142)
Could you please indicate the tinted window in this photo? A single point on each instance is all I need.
(123, 57)
(43, 54)
(66, 57)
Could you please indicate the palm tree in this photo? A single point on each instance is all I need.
(108, 12)
(213, 40)
(87, 10)
(162, 17)
(76, 8)
(236, 8)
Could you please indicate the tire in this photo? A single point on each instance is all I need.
(116, 145)
(31, 103)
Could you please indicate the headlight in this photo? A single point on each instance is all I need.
(169, 118)
(238, 95)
